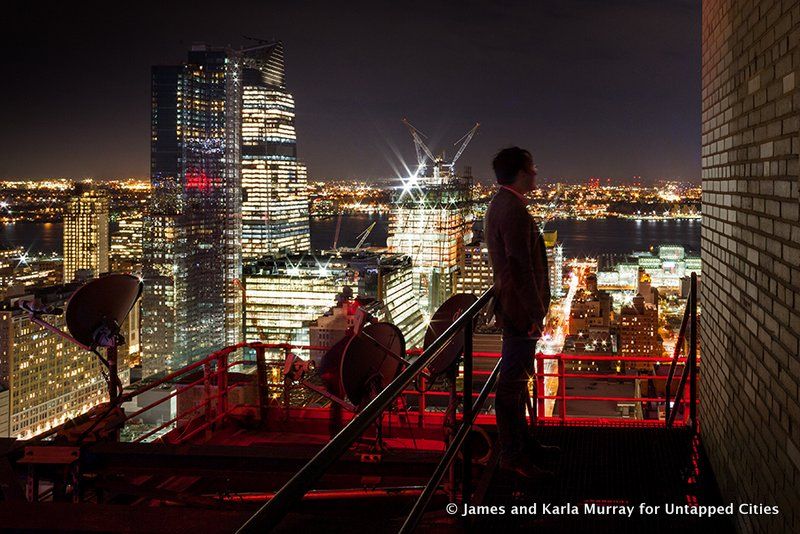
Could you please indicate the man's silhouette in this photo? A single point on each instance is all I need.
(522, 299)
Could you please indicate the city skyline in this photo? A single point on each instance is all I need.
(224, 341)
(580, 111)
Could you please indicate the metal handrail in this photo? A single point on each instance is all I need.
(690, 366)
(679, 342)
(459, 439)
(269, 515)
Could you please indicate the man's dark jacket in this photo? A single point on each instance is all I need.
(519, 263)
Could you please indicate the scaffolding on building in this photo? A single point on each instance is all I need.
(431, 219)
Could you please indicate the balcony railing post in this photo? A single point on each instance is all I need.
(667, 400)
(466, 452)
(539, 390)
(693, 356)
(207, 379)
(450, 430)
(262, 377)
(562, 390)
(287, 353)
(422, 404)
(222, 383)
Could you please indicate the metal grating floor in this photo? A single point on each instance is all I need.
(610, 466)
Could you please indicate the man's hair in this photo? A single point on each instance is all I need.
(508, 162)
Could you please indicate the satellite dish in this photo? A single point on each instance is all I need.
(96, 310)
(360, 365)
(444, 317)
(372, 360)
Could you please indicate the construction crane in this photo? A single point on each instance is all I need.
(419, 145)
(363, 235)
(466, 139)
(424, 152)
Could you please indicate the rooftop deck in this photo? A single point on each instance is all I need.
(236, 438)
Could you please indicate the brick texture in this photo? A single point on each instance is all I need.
(750, 409)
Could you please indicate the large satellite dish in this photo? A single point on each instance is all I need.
(444, 317)
(96, 310)
(359, 366)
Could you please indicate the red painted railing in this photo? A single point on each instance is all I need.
(213, 406)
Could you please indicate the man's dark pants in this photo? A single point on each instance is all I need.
(516, 368)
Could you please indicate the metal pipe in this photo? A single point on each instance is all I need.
(173, 375)
(678, 394)
(331, 494)
(676, 353)
(466, 474)
(424, 499)
(175, 392)
(693, 357)
(182, 414)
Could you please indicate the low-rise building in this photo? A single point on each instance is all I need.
(638, 332)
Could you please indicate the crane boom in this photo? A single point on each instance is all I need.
(365, 234)
(419, 144)
(466, 139)
(338, 229)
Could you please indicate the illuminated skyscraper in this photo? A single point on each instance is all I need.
(126, 243)
(160, 300)
(5, 412)
(86, 234)
(555, 262)
(275, 216)
(431, 221)
(226, 185)
(194, 253)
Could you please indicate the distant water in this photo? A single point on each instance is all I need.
(323, 231)
(33, 236)
(580, 238)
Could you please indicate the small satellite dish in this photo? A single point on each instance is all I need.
(96, 310)
(371, 361)
(444, 317)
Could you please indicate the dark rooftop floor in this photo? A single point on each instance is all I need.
(199, 487)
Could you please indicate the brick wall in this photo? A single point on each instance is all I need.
(750, 410)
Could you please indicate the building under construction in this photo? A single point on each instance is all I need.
(431, 220)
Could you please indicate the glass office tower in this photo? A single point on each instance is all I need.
(275, 214)
(192, 244)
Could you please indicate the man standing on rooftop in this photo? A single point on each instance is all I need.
(522, 299)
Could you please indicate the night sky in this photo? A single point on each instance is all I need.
(606, 88)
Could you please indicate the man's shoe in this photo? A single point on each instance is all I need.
(524, 467)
